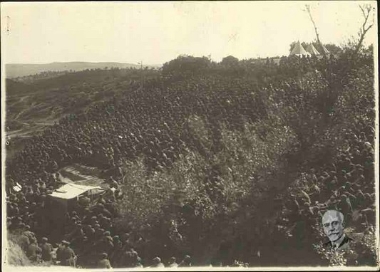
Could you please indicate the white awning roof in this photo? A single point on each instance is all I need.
(298, 50)
(70, 190)
(311, 49)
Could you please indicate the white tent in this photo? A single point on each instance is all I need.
(311, 49)
(325, 49)
(299, 51)
(327, 52)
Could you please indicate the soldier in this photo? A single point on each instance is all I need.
(104, 262)
(104, 211)
(16, 222)
(82, 243)
(137, 263)
(58, 252)
(116, 252)
(46, 250)
(29, 233)
(172, 262)
(94, 220)
(186, 262)
(84, 201)
(128, 257)
(96, 226)
(111, 207)
(156, 262)
(75, 215)
(89, 231)
(33, 251)
(126, 239)
(107, 224)
(102, 220)
(77, 236)
(67, 255)
(24, 242)
(107, 242)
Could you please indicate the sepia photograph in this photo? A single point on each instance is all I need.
(190, 136)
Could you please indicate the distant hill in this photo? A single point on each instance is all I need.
(20, 70)
(40, 101)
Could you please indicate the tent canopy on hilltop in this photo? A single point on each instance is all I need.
(299, 51)
(311, 49)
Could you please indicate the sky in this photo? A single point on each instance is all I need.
(157, 32)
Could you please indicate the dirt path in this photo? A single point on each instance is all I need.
(29, 129)
(24, 110)
(23, 98)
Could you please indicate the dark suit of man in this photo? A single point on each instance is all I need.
(345, 244)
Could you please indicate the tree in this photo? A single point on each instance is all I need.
(334, 49)
(230, 61)
(316, 30)
(187, 64)
(366, 26)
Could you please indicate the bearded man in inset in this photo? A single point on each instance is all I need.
(333, 227)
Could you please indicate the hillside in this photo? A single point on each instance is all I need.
(225, 163)
(45, 100)
(21, 70)
(15, 254)
(31, 107)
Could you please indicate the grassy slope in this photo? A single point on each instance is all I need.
(15, 255)
(35, 105)
(20, 70)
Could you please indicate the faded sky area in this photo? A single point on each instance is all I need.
(158, 32)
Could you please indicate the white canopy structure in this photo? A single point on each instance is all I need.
(299, 51)
(70, 191)
(327, 52)
(311, 49)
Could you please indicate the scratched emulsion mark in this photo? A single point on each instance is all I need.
(8, 24)
(233, 37)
